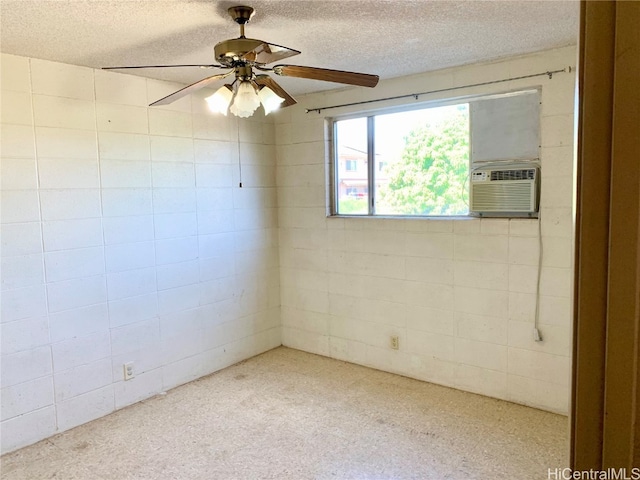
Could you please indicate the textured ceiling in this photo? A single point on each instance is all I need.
(385, 37)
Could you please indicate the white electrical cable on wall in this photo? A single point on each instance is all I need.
(536, 319)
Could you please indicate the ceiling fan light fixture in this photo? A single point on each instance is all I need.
(219, 102)
(246, 100)
(269, 99)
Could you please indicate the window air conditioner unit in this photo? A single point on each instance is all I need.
(505, 190)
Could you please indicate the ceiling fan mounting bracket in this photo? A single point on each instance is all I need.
(241, 14)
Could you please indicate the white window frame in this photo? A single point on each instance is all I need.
(371, 170)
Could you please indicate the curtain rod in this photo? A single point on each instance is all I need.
(416, 95)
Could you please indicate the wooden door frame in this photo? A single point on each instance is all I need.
(605, 384)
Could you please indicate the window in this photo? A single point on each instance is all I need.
(417, 161)
(422, 159)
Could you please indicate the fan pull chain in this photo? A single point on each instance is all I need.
(239, 161)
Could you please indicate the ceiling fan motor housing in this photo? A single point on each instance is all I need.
(231, 52)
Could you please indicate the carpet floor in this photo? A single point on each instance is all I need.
(287, 414)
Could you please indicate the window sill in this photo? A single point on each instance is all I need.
(438, 217)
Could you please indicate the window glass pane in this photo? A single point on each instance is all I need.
(422, 162)
(352, 166)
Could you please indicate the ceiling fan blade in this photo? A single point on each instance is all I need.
(269, 52)
(163, 66)
(267, 81)
(189, 89)
(338, 76)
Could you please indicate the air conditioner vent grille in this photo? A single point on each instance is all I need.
(514, 197)
(526, 174)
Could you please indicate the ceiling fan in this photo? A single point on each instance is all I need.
(244, 57)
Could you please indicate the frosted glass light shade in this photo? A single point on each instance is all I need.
(219, 101)
(246, 101)
(270, 100)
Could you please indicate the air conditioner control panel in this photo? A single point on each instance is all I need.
(479, 176)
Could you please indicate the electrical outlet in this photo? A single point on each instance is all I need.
(128, 371)
(395, 342)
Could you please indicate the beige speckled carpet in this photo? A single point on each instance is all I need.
(290, 414)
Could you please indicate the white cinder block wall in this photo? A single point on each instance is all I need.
(125, 239)
(458, 292)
